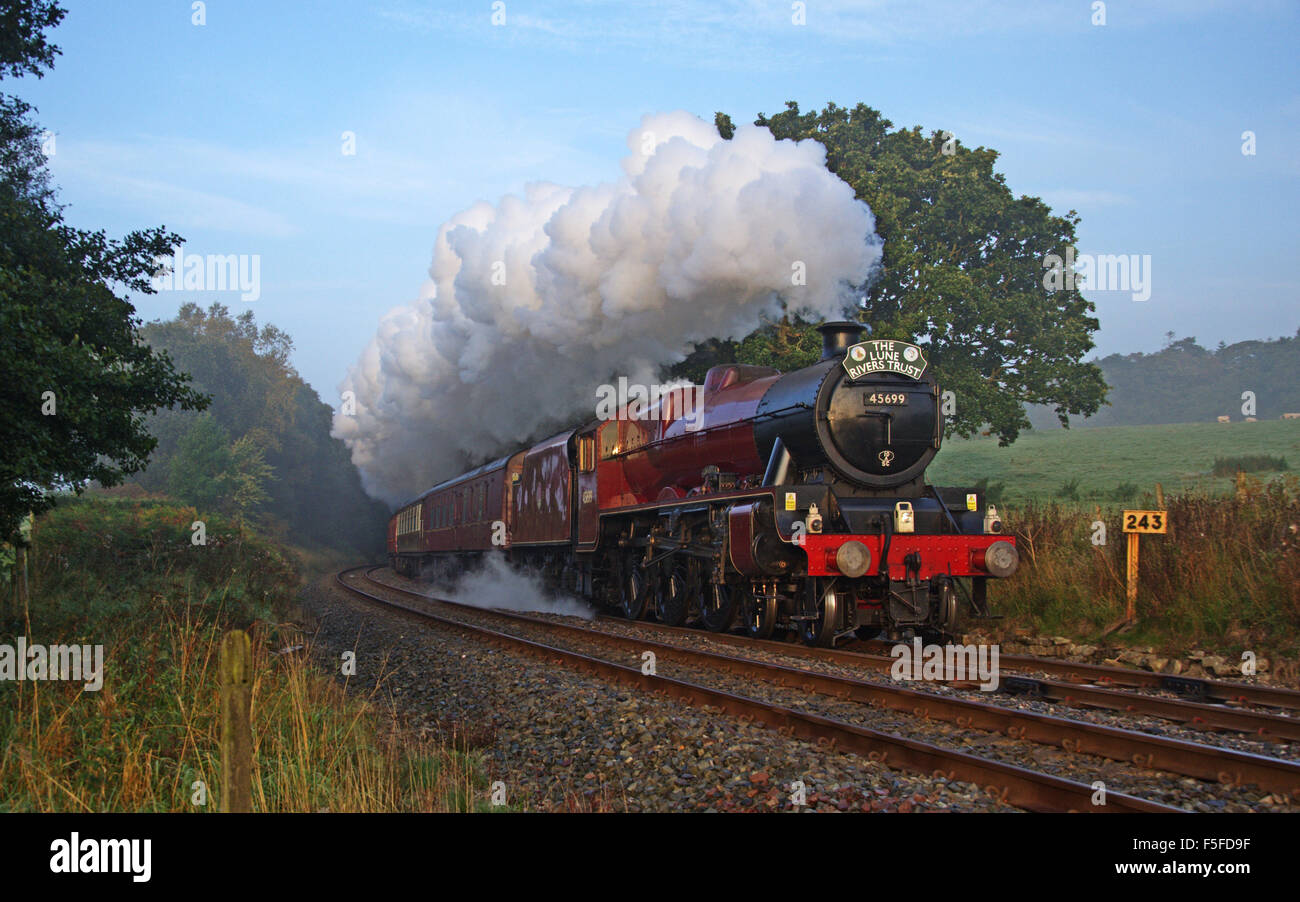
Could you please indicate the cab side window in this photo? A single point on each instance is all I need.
(609, 439)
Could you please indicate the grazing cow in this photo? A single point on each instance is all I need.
(1291, 416)
(1224, 419)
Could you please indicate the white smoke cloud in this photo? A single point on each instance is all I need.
(536, 301)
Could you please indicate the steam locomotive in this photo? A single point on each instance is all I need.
(791, 502)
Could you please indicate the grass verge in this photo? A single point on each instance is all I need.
(125, 575)
(1227, 573)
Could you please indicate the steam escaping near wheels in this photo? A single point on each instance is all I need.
(495, 584)
(535, 302)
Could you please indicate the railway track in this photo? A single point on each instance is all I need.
(1221, 691)
(1198, 715)
(1019, 786)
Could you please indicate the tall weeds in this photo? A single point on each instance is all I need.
(1228, 568)
(128, 578)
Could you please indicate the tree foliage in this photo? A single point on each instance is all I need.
(962, 272)
(24, 48)
(264, 450)
(79, 382)
(210, 472)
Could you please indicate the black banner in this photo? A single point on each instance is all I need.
(334, 852)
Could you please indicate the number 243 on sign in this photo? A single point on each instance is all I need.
(1146, 521)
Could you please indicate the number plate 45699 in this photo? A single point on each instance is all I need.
(884, 397)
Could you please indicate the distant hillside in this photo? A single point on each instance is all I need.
(1185, 383)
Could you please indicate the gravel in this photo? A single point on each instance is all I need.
(1171, 789)
(563, 741)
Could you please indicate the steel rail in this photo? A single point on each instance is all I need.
(1014, 785)
(1226, 766)
(1194, 714)
(1222, 691)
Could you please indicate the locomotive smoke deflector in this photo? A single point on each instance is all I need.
(837, 336)
(778, 465)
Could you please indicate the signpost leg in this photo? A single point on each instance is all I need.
(1131, 611)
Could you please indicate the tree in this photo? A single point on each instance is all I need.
(79, 381)
(23, 46)
(210, 473)
(962, 272)
(315, 495)
(248, 477)
(200, 470)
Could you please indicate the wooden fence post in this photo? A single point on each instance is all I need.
(236, 667)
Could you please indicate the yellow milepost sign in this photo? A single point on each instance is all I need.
(1146, 521)
(1136, 523)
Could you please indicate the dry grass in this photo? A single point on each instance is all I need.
(149, 737)
(1227, 571)
(143, 741)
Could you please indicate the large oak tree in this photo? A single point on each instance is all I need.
(962, 271)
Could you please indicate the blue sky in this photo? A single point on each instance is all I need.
(230, 133)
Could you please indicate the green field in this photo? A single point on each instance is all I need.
(1113, 463)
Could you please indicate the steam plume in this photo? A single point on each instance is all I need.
(536, 301)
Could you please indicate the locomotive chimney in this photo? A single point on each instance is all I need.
(836, 338)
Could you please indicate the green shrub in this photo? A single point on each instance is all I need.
(1248, 463)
